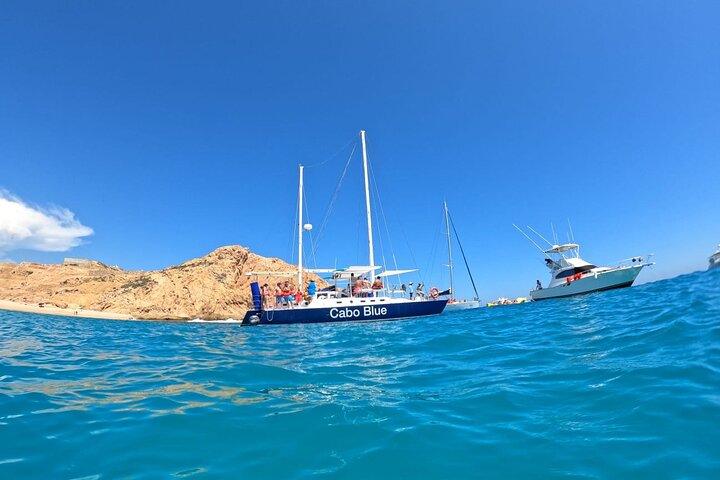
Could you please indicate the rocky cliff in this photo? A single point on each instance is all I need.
(211, 287)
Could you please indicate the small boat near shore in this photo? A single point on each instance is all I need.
(571, 275)
(506, 301)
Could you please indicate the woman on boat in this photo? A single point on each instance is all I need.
(265, 295)
(359, 285)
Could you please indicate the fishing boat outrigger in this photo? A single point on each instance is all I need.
(571, 275)
(337, 304)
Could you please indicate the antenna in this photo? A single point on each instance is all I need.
(572, 235)
(555, 237)
(531, 240)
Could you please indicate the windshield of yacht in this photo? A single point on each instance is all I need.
(572, 271)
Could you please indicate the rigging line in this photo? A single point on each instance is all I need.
(396, 269)
(359, 223)
(333, 199)
(433, 254)
(293, 237)
(382, 214)
(307, 215)
(382, 255)
(380, 241)
(412, 255)
(463, 254)
(376, 196)
(353, 139)
(377, 204)
(376, 191)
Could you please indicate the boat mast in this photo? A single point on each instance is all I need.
(367, 204)
(447, 224)
(300, 229)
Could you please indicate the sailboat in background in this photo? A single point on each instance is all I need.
(454, 303)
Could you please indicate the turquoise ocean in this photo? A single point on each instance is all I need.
(619, 384)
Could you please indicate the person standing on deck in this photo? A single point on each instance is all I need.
(287, 294)
(265, 295)
(278, 294)
(410, 290)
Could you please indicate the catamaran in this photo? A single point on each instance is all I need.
(337, 304)
(571, 275)
(454, 303)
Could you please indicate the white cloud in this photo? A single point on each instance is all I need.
(48, 230)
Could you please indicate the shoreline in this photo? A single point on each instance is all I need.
(65, 312)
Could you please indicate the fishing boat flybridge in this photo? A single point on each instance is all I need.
(338, 304)
(571, 275)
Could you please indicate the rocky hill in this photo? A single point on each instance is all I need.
(211, 287)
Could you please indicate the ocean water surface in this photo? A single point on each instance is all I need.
(620, 384)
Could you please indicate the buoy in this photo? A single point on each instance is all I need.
(254, 319)
(434, 292)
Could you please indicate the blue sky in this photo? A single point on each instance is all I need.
(172, 128)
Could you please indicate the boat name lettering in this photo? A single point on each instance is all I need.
(368, 311)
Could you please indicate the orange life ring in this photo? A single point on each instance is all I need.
(434, 292)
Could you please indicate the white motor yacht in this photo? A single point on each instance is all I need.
(571, 275)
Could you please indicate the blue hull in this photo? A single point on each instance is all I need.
(388, 311)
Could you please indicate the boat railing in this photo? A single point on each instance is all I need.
(635, 261)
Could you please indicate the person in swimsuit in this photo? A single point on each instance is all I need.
(287, 293)
(278, 294)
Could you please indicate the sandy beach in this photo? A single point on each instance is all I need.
(69, 312)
